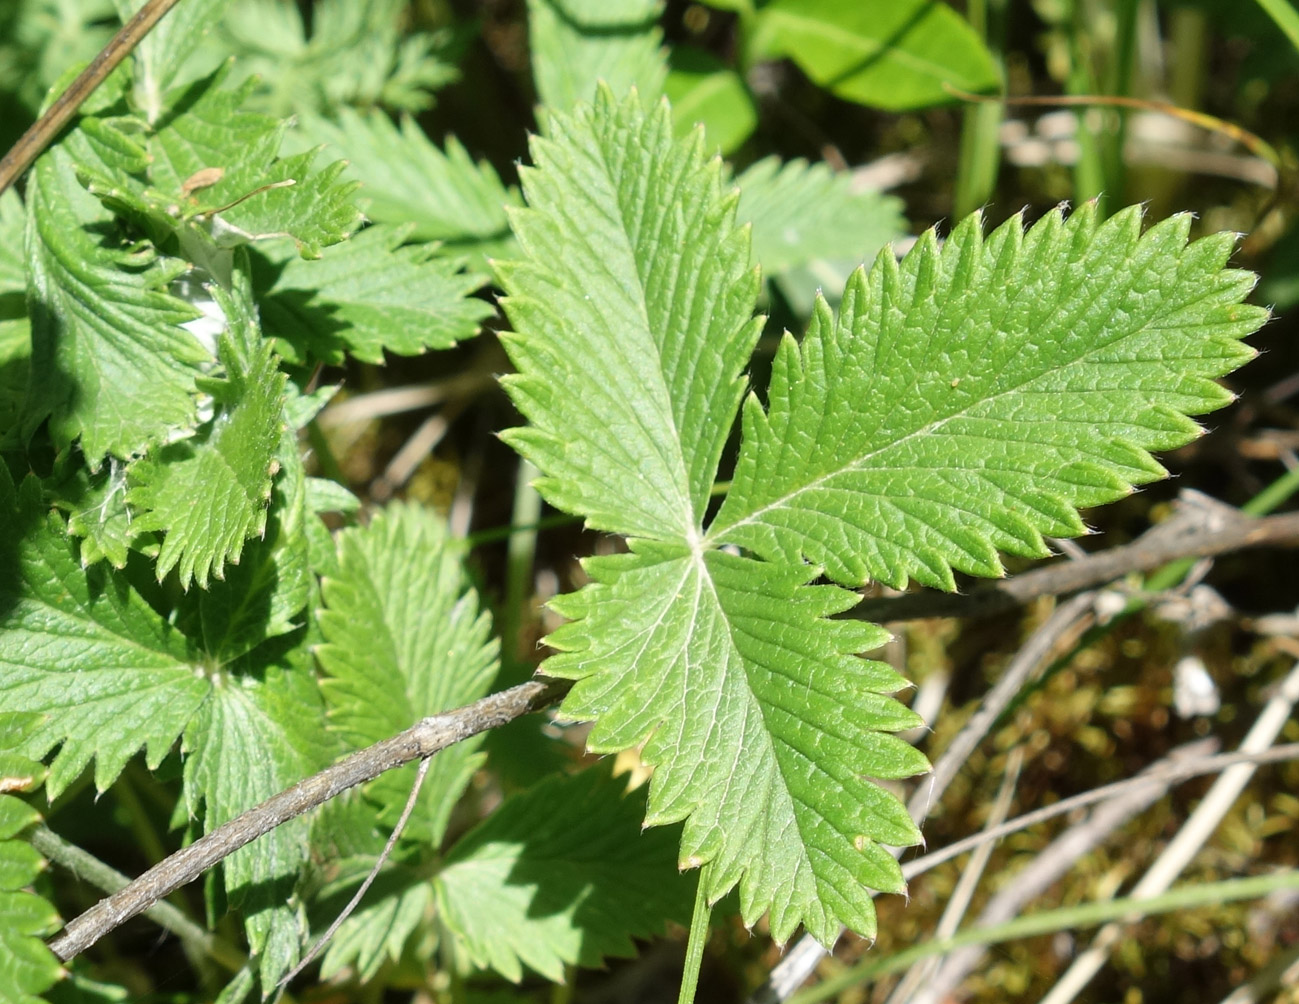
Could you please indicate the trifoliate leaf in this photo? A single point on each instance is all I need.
(974, 397)
(759, 720)
(110, 362)
(897, 55)
(560, 874)
(83, 649)
(208, 494)
(576, 44)
(803, 213)
(629, 233)
(367, 295)
(405, 639)
(261, 731)
(406, 179)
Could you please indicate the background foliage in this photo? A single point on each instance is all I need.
(182, 411)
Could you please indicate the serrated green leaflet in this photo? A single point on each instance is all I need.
(367, 295)
(974, 397)
(261, 731)
(26, 966)
(83, 649)
(110, 362)
(577, 44)
(967, 400)
(408, 180)
(404, 639)
(760, 721)
(209, 494)
(560, 875)
(210, 171)
(96, 508)
(630, 233)
(263, 596)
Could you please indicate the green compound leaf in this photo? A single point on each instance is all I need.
(209, 494)
(83, 649)
(110, 362)
(973, 398)
(406, 179)
(637, 290)
(578, 44)
(894, 54)
(760, 721)
(404, 639)
(261, 731)
(365, 296)
(560, 875)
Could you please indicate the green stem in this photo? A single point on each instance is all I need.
(1089, 171)
(1184, 897)
(698, 940)
(521, 551)
(1125, 49)
(980, 154)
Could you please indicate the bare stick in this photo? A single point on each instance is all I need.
(86, 867)
(423, 739)
(1027, 661)
(59, 114)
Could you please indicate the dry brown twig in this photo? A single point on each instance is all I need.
(34, 141)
